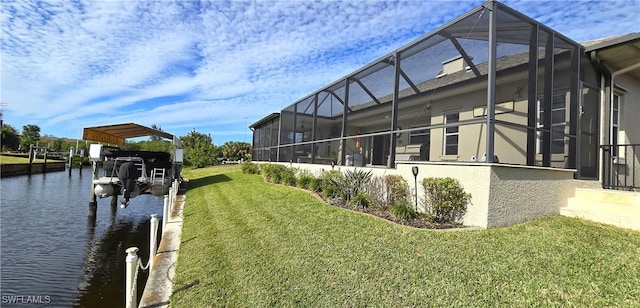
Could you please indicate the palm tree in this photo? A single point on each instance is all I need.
(233, 150)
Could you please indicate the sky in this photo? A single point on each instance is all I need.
(216, 67)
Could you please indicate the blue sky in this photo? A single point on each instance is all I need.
(219, 66)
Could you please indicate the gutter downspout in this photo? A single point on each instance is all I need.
(604, 111)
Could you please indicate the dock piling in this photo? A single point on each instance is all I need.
(93, 209)
(70, 160)
(165, 211)
(114, 200)
(153, 239)
(44, 167)
(30, 158)
(131, 276)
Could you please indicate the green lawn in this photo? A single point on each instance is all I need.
(7, 159)
(247, 243)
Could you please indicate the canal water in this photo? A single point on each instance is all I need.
(51, 252)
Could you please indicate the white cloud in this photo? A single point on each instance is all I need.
(216, 65)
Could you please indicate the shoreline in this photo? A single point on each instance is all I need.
(8, 170)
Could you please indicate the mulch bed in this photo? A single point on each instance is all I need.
(421, 221)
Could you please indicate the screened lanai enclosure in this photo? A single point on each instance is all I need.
(492, 85)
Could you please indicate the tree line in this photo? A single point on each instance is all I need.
(199, 150)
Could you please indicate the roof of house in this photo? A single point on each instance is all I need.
(612, 41)
(621, 53)
(264, 120)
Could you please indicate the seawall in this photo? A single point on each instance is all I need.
(22, 169)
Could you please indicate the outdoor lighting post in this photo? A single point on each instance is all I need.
(414, 170)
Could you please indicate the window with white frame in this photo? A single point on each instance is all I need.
(451, 134)
(558, 124)
(615, 123)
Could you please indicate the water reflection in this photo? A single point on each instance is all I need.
(51, 247)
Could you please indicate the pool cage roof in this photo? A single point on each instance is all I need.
(469, 37)
(490, 41)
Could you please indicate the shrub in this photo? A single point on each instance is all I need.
(388, 190)
(330, 183)
(289, 177)
(304, 179)
(266, 170)
(403, 211)
(315, 184)
(360, 200)
(273, 172)
(250, 168)
(445, 200)
(353, 182)
(397, 189)
(375, 189)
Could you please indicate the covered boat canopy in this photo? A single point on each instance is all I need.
(117, 133)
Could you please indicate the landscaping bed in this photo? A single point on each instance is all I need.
(420, 221)
(388, 197)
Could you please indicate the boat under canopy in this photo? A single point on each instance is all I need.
(154, 171)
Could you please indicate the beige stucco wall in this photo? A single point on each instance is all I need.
(501, 195)
(509, 142)
(630, 109)
(629, 124)
(519, 193)
(474, 178)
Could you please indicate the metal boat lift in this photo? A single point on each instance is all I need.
(156, 170)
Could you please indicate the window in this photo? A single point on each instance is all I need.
(615, 123)
(451, 134)
(419, 136)
(558, 124)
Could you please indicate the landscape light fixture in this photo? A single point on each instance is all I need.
(414, 170)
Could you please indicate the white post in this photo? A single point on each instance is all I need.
(71, 150)
(170, 197)
(131, 269)
(165, 211)
(175, 189)
(153, 240)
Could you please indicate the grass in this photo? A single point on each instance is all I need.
(6, 159)
(247, 243)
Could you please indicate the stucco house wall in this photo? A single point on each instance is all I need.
(510, 141)
(630, 109)
(520, 193)
(629, 90)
